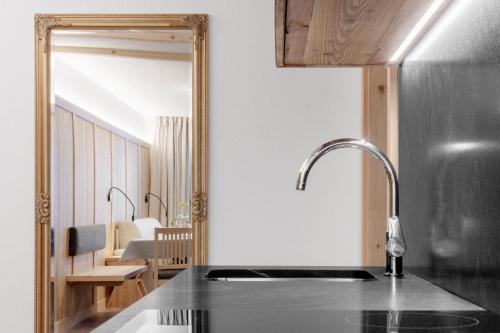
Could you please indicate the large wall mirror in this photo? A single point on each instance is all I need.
(121, 161)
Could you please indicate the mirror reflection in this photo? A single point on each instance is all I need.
(121, 138)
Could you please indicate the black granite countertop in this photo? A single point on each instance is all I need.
(315, 306)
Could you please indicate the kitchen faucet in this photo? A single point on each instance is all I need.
(395, 243)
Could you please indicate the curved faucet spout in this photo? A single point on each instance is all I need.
(356, 144)
(395, 244)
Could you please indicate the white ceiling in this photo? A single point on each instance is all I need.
(150, 87)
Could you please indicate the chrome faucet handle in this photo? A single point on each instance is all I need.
(395, 245)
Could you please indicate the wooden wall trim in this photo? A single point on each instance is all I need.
(392, 115)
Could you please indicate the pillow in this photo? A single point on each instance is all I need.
(127, 231)
(85, 239)
(146, 227)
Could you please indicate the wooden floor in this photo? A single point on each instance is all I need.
(93, 322)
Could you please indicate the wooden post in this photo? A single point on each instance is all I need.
(379, 128)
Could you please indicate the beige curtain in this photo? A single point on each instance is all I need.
(170, 167)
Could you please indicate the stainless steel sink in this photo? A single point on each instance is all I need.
(288, 275)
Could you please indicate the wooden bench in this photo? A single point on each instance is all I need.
(126, 294)
(110, 276)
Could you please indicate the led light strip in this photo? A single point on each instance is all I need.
(431, 11)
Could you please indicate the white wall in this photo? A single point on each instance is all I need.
(263, 123)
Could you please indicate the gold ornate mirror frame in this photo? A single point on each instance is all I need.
(44, 23)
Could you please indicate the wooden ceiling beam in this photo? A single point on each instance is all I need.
(124, 53)
(346, 32)
(144, 36)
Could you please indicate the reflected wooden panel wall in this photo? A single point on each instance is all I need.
(83, 201)
(102, 160)
(132, 178)
(63, 212)
(89, 157)
(119, 176)
(144, 180)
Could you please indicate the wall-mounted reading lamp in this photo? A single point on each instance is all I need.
(146, 199)
(116, 188)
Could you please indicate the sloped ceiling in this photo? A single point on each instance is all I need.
(151, 87)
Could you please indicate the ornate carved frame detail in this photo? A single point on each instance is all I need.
(44, 23)
(200, 206)
(42, 208)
